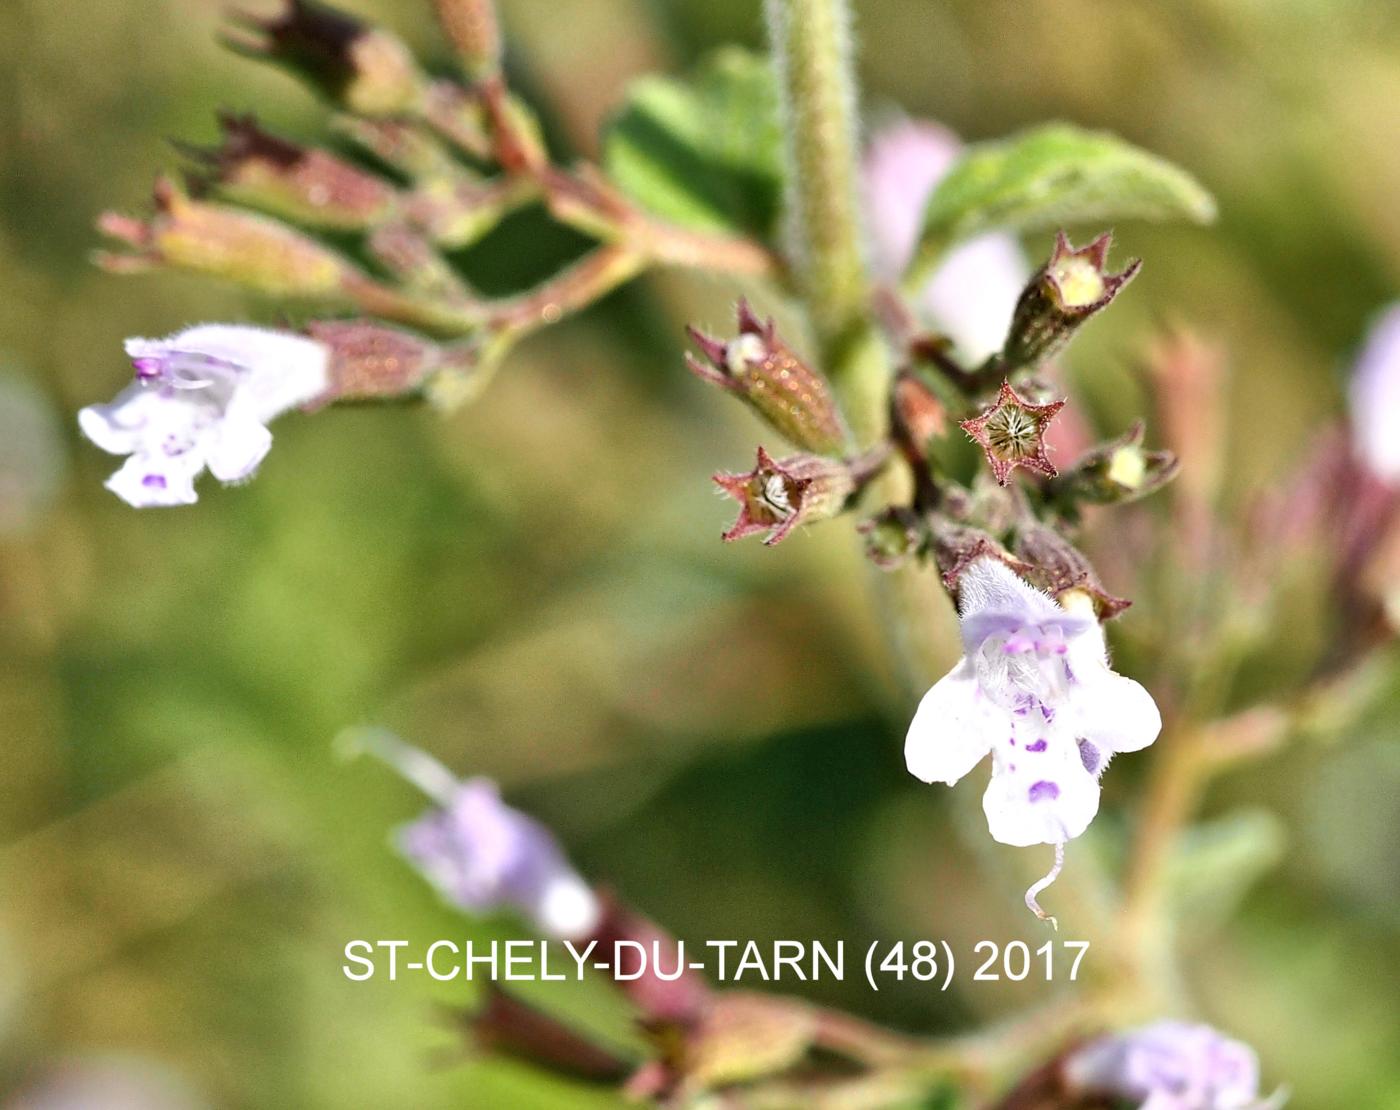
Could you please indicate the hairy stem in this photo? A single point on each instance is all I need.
(812, 55)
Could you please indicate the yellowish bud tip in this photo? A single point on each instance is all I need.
(1127, 467)
(1078, 281)
(1078, 602)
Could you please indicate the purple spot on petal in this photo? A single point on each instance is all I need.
(147, 368)
(1089, 756)
(1038, 746)
(1047, 712)
(1042, 791)
(154, 481)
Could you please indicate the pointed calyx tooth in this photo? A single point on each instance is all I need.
(1011, 434)
(1071, 287)
(757, 366)
(1061, 569)
(956, 547)
(778, 495)
(1116, 472)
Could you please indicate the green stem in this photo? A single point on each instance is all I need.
(812, 55)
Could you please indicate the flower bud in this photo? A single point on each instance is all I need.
(1118, 471)
(760, 368)
(304, 185)
(1012, 433)
(224, 242)
(472, 27)
(369, 360)
(1073, 286)
(893, 536)
(1061, 569)
(777, 496)
(365, 68)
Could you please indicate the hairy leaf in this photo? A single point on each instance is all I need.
(1052, 177)
(702, 152)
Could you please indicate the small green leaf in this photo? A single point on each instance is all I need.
(1051, 177)
(705, 152)
(1216, 863)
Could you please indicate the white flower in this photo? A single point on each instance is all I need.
(1375, 399)
(973, 292)
(202, 398)
(1170, 1065)
(1034, 689)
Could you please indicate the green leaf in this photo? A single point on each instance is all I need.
(704, 153)
(1051, 177)
(1214, 865)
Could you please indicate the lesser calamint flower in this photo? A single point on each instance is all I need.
(1170, 1065)
(481, 854)
(202, 398)
(1033, 689)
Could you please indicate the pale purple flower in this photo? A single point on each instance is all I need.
(202, 398)
(479, 853)
(1375, 399)
(1034, 689)
(1170, 1065)
(973, 292)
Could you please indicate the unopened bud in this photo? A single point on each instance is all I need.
(224, 242)
(362, 67)
(1073, 286)
(893, 537)
(371, 361)
(757, 366)
(473, 29)
(1118, 471)
(778, 495)
(1063, 571)
(1011, 433)
(300, 184)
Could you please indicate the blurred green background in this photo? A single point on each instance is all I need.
(533, 587)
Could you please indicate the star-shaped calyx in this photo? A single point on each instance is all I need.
(779, 494)
(1012, 433)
